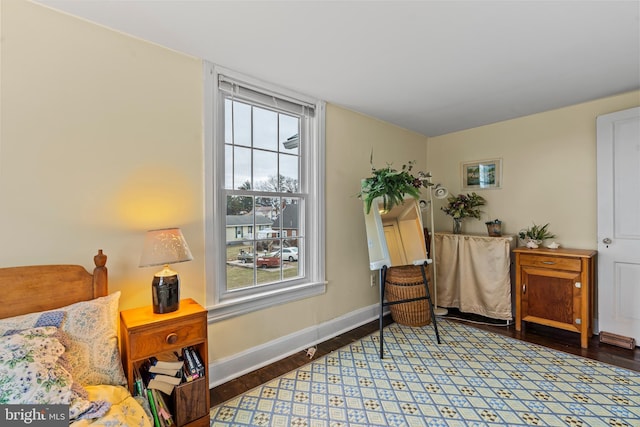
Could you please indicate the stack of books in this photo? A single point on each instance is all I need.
(194, 368)
(155, 380)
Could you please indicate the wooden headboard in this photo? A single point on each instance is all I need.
(45, 287)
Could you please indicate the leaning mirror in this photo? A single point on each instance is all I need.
(395, 237)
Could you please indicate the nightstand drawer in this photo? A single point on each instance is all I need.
(167, 337)
(555, 262)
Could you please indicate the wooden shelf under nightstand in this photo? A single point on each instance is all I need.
(145, 334)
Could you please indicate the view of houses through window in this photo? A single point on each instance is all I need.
(263, 197)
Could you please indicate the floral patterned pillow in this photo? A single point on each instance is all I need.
(33, 370)
(92, 328)
(36, 320)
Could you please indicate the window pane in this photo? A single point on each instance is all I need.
(292, 258)
(241, 167)
(228, 166)
(241, 124)
(289, 134)
(228, 122)
(265, 129)
(240, 242)
(239, 217)
(240, 271)
(288, 219)
(265, 170)
(240, 206)
(289, 173)
(267, 207)
(268, 260)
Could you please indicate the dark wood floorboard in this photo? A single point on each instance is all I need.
(549, 337)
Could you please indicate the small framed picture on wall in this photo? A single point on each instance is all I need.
(481, 174)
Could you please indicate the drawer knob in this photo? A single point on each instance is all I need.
(172, 338)
(548, 262)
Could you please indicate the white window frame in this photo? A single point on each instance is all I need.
(220, 303)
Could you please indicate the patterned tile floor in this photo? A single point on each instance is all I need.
(474, 378)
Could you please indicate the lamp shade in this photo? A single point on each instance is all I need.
(164, 246)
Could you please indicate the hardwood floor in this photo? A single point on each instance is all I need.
(538, 334)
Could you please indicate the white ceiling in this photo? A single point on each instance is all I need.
(430, 66)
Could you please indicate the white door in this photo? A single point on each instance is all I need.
(618, 151)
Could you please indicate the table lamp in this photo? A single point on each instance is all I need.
(163, 247)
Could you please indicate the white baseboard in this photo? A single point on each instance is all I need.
(223, 370)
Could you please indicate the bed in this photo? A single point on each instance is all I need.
(59, 322)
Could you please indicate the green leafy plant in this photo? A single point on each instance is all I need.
(464, 206)
(392, 185)
(536, 232)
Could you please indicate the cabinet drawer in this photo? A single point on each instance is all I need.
(555, 262)
(157, 339)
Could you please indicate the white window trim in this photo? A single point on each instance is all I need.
(215, 251)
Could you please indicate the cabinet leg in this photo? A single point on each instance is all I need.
(584, 340)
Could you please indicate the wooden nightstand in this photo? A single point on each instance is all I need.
(555, 287)
(144, 334)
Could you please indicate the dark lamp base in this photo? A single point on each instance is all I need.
(165, 291)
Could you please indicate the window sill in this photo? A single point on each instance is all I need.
(243, 305)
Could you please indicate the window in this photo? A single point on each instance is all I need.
(264, 171)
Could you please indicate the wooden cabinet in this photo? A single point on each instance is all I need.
(555, 287)
(145, 334)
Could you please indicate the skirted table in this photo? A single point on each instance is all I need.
(473, 274)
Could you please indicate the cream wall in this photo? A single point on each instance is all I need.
(101, 139)
(549, 170)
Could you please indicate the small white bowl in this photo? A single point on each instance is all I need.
(553, 245)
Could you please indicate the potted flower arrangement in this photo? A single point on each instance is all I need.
(392, 185)
(534, 236)
(463, 206)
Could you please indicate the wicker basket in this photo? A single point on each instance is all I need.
(405, 283)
